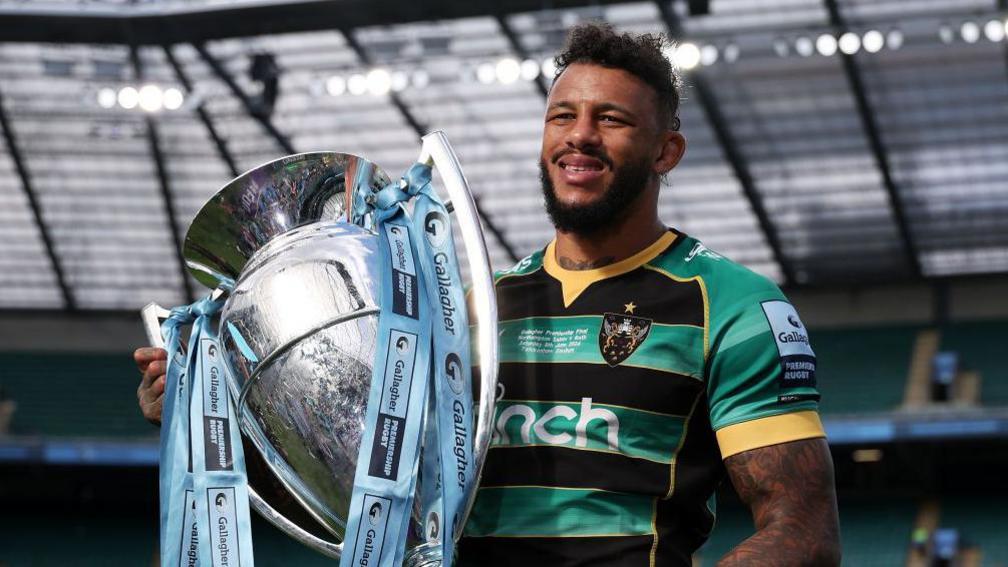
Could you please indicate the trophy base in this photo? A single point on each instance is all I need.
(423, 555)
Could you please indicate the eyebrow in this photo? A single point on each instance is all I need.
(603, 107)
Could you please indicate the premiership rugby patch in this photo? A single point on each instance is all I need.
(798, 362)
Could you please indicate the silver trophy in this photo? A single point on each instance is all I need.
(290, 243)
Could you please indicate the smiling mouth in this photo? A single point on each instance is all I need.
(581, 163)
(580, 168)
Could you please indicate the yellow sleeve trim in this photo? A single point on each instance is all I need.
(767, 431)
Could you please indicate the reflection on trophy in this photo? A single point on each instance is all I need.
(292, 244)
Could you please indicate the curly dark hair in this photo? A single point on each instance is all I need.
(597, 43)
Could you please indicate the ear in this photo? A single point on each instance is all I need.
(672, 150)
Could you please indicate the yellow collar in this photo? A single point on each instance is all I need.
(574, 282)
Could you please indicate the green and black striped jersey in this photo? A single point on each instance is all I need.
(622, 389)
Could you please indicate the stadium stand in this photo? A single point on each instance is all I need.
(862, 369)
(982, 524)
(99, 540)
(79, 395)
(733, 525)
(980, 346)
(874, 532)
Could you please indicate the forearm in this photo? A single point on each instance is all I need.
(780, 545)
(789, 488)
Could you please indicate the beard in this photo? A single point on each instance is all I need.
(629, 181)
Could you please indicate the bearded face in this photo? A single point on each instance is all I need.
(604, 146)
(611, 206)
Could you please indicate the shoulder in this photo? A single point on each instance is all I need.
(730, 289)
(726, 282)
(526, 266)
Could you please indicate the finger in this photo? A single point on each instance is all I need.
(155, 370)
(152, 410)
(157, 388)
(145, 355)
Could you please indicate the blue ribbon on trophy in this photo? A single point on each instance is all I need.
(422, 299)
(204, 492)
(347, 355)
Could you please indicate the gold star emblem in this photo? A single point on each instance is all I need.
(630, 307)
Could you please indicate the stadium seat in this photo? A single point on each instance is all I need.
(78, 395)
(980, 345)
(981, 521)
(862, 369)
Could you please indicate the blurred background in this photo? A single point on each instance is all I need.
(855, 151)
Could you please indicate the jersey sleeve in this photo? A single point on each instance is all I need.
(761, 382)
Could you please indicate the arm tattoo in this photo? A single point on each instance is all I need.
(789, 488)
(571, 264)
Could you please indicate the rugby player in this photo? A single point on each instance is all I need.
(638, 367)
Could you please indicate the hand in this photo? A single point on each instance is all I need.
(152, 363)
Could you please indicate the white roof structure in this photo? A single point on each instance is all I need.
(829, 141)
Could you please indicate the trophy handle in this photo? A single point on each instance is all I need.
(327, 548)
(152, 314)
(438, 152)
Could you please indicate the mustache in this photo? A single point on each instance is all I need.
(598, 154)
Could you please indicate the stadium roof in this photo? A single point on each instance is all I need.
(830, 141)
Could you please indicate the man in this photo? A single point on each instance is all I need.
(637, 366)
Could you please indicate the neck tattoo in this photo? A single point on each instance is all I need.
(571, 264)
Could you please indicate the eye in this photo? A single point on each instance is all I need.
(608, 118)
(561, 116)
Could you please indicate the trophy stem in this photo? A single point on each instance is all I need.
(423, 555)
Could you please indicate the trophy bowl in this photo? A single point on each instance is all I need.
(290, 243)
(299, 331)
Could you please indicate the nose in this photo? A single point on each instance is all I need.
(583, 132)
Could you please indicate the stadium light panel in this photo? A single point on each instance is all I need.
(420, 78)
(873, 41)
(804, 46)
(400, 81)
(150, 98)
(894, 39)
(994, 30)
(106, 97)
(335, 85)
(128, 97)
(357, 84)
(529, 69)
(731, 53)
(708, 55)
(379, 82)
(486, 73)
(970, 32)
(850, 43)
(945, 34)
(826, 45)
(687, 56)
(507, 71)
(781, 47)
(548, 67)
(173, 98)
